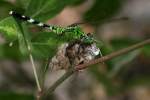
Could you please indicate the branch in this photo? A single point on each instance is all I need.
(57, 83)
(99, 60)
(113, 55)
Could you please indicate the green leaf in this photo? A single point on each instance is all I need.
(136, 81)
(5, 7)
(23, 3)
(45, 44)
(7, 52)
(102, 10)
(46, 9)
(116, 64)
(9, 28)
(118, 43)
(146, 50)
(15, 96)
(120, 62)
(136, 73)
(23, 38)
(103, 79)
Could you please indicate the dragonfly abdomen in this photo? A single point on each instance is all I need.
(31, 20)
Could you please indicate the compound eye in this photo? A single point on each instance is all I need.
(90, 34)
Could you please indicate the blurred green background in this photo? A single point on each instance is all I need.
(117, 23)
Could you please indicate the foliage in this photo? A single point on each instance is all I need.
(102, 10)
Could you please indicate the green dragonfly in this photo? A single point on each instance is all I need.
(72, 32)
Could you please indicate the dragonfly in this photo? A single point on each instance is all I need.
(72, 33)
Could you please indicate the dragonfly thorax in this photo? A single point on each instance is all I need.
(76, 33)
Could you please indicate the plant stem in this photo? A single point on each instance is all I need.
(59, 81)
(30, 56)
(35, 72)
(99, 60)
(44, 69)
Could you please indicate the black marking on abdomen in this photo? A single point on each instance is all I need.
(30, 20)
(46, 26)
(35, 22)
(24, 18)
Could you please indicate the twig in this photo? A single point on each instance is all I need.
(113, 55)
(35, 72)
(30, 56)
(59, 81)
(99, 60)
(44, 69)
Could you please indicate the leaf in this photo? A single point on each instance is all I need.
(7, 52)
(23, 3)
(45, 44)
(120, 62)
(136, 73)
(5, 7)
(9, 28)
(103, 79)
(102, 10)
(146, 50)
(136, 81)
(15, 96)
(46, 9)
(116, 64)
(119, 43)
(23, 38)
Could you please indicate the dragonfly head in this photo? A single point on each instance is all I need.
(88, 38)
